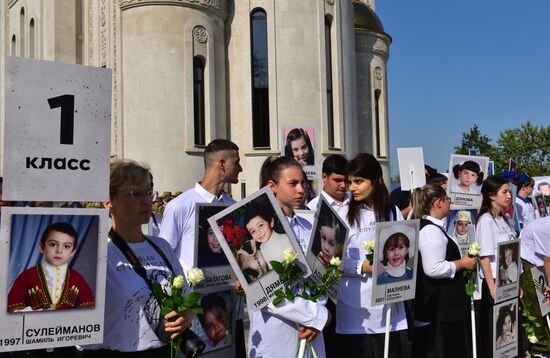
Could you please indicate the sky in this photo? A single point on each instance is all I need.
(454, 64)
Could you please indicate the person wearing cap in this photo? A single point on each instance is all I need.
(524, 206)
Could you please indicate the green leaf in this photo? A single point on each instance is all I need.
(277, 266)
(277, 300)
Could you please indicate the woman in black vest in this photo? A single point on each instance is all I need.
(441, 304)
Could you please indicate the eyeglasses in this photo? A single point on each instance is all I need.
(139, 195)
(443, 199)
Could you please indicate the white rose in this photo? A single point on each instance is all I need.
(368, 246)
(474, 249)
(335, 261)
(178, 282)
(289, 255)
(533, 339)
(194, 276)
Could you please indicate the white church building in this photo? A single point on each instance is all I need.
(188, 71)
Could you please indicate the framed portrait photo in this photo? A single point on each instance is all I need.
(216, 324)
(209, 255)
(395, 261)
(328, 240)
(505, 329)
(466, 174)
(508, 270)
(252, 233)
(461, 227)
(53, 263)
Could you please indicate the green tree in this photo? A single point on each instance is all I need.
(529, 145)
(474, 139)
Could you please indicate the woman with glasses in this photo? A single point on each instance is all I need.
(441, 303)
(132, 314)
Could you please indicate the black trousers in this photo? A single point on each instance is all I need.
(371, 345)
(442, 340)
(162, 352)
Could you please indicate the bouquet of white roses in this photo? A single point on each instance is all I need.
(173, 300)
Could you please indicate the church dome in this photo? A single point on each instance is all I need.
(365, 18)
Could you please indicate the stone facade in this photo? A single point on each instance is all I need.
(150, 45)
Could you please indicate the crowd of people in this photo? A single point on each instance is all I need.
(435, 324)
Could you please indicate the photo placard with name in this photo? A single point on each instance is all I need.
(53, 283)
(505, 329)
(395, 260)
(328, 240)
(508, 270)
(209, 255)
(466, 174)
(252, 233)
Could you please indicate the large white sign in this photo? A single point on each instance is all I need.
(57, 131)
(67, 308)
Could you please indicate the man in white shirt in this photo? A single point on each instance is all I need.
(524, 206)
(221, 162)
(221, 166)
(334, 183)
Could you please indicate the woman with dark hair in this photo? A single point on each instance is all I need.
(506, 321)
(298, 146)
(441, 303)
(492, 228)
(469, 176)
(361, 324)
(275, 330)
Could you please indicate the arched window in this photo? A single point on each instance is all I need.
(260, 79)
(22, 24)
(330, 96)
(198, 101)
(377, 94)
(13, 46)
(32, 44)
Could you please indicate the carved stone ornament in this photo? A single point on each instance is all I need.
(330, 2)
(216, 7)
(200, 34)
(365, 44)
(378, 73)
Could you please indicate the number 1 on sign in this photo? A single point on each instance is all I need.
(66, 102)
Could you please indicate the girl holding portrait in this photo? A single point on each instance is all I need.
(441, 303)
(362, 325)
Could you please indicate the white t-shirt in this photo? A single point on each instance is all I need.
(537, 231)
(131, 310)
(526, 212)
(489, 232)
(354, 313)
(474, 189)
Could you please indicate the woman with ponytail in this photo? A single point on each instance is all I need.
(441, 303)
(275, 330)
(492, 227)
(362, 326)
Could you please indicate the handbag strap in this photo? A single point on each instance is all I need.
(133, 260)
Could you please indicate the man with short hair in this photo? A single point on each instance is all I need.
(524, 206)
(221, 166)
(334, 183)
